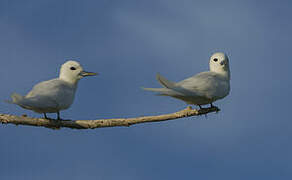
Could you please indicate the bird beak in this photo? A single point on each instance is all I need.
(84, 73)
(222, 63)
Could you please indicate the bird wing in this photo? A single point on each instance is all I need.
(176, 87)
(206, 84)
(45, 88)
(39, 104)
(49, 95)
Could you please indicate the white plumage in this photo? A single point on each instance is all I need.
(203, 88)
(54, 95)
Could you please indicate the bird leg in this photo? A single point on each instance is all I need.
(46, 116)
(212, 106)
(58, 115)
(201, 109)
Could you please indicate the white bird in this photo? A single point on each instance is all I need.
(203, 88)
(53, 95)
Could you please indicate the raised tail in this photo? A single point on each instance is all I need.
(164, 82)
(171, 88)
(167, 87)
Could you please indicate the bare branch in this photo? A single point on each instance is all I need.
(101, 123)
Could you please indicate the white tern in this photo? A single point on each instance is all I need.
(53, 95)
(203, 88)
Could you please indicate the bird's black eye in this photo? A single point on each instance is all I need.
(72, 68)
(215, 59)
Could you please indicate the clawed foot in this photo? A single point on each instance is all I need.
(58, 117)
(52, 119)
(210, 107)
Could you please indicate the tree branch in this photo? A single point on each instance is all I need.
(101, 123)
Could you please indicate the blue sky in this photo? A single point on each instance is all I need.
(128, 42)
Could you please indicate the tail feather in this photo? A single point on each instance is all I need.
(164, 91)
(16, 98)
(165, 82)
(171, 88)
(155, 89)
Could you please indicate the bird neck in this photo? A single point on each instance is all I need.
(223, 72)
(226, 74)
(72, 81)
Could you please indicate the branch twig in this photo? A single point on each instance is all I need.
(101, 123)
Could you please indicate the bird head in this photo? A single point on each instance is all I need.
(72, 72)
(219, 63)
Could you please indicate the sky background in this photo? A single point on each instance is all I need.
(128, 42)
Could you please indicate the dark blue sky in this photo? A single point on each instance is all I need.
(128, 42)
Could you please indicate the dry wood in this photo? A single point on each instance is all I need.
(101, 123)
